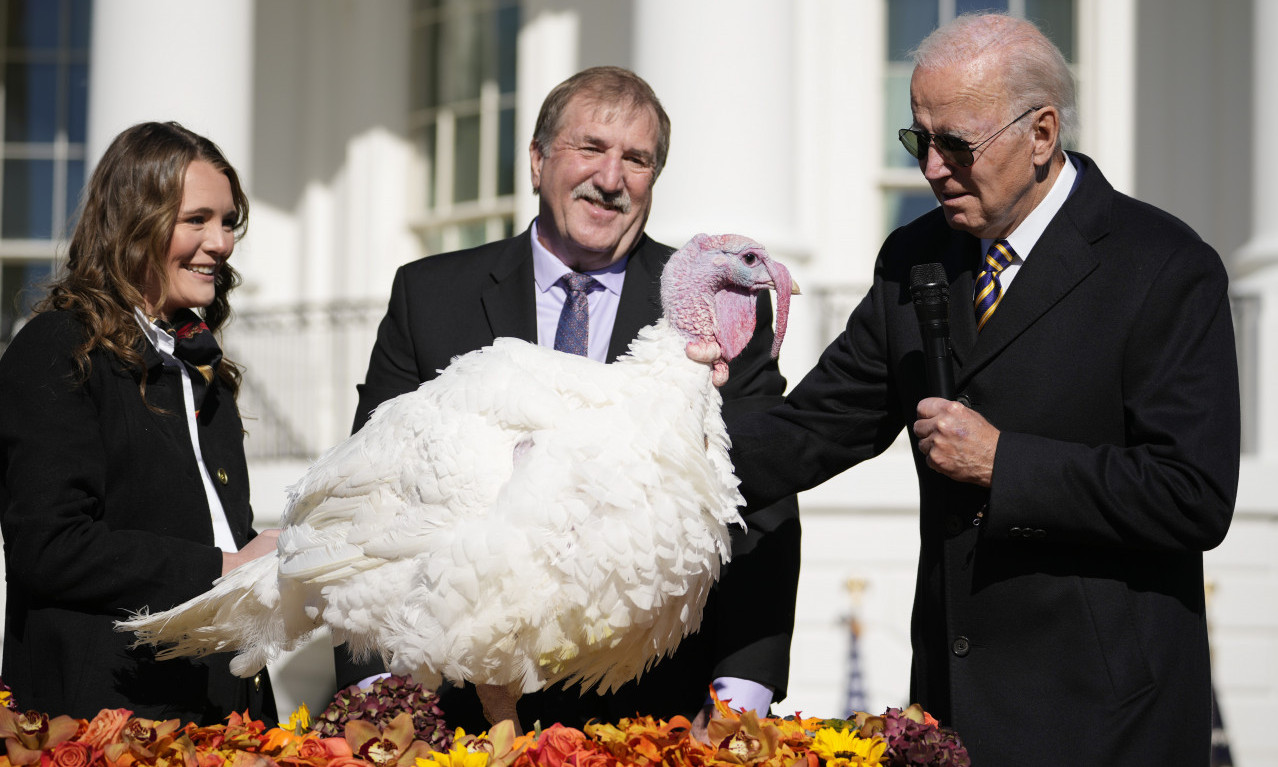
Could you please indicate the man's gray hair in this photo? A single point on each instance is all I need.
(605, 85)
(1033, 70)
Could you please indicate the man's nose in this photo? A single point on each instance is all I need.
(933, 164)
(609, 176)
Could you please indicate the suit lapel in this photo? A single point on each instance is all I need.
(1060, 260)
(509, 302)
(640, 303)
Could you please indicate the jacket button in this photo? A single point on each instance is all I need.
(222, 476)
(964, 400)
(961, 647)
(953, 525)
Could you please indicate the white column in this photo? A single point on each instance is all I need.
(173, 60)
(1107, 34)
(724, 70)
(1261, 251)
(1255, 266)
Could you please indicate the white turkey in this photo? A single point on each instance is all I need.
(527, 517)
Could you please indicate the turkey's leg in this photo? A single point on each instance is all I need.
(499, 704)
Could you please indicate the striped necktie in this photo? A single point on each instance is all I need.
(572, 335)
(988, 291)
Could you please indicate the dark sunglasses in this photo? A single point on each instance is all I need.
(952, 149)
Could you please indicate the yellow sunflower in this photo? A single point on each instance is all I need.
(842, 748)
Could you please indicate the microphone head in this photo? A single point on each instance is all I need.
(928, 276)
(930, 289)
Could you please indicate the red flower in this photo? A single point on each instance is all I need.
(554, 746)
(69, 754)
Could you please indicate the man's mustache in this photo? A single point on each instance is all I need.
(586, 190)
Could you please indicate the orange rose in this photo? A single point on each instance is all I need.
(69, 754)
(590, 756)
(555, 745)
(337, 747)
(312, 748)
(105, 727)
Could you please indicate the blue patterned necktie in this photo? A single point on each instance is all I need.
(988, 291)
(572, 335)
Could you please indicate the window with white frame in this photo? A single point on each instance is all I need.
(906, 193)
(463, 119)
(44, 98)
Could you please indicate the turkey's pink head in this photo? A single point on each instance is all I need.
(708, 290)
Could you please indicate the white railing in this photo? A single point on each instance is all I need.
(301, 364)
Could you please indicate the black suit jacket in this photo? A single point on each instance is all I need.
(1059, 616)
(103, 513)
(446, 305)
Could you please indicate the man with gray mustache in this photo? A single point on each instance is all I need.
(584, 278)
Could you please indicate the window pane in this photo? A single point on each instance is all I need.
(507, 34)
(462, 56)
(30, 107)
(22, 283)
(33, 24)
(78, 103)
(28, 200)
(972, 6)
(472, 234)
(909, 21)
(902, 207)
(81, 23)
(466, 160)
(425, 74)
(897, 113)
(1056, 19)
(75, 184)
(426, 148)
(506, 152)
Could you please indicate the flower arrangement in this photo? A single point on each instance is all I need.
(395, 735)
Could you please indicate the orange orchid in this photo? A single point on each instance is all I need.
(501, 743)
(26, 735)
(395, 745)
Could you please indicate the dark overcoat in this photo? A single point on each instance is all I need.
(1058, 616)
(446, 305)
(104, 513)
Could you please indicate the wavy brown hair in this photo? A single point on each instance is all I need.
(121, 241)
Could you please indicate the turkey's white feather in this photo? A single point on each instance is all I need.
(527, 517)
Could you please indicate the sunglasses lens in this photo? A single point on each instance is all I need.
(913, 142)
(955, 150)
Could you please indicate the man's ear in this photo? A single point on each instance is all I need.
(1046, 130)
(535, 159)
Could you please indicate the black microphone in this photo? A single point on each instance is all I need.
(931, 292)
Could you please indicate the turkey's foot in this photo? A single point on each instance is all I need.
(499, 705)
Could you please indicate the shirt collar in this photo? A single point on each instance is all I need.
(162, 342)
(548, 269)
(1025, 237)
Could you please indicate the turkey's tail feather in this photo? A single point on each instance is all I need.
(240, 612)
